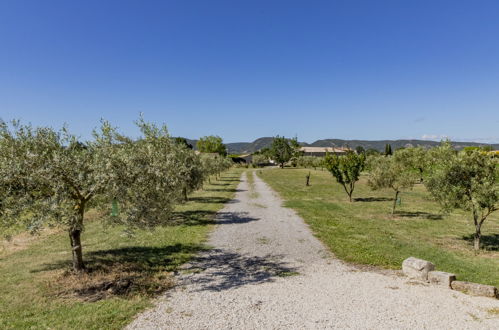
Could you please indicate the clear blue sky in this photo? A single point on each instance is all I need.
(245, 69)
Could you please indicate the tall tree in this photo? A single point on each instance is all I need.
(387, 173)
(346, 169)
(468, 181)
(388, 149)
(212, 144)
(282, 150)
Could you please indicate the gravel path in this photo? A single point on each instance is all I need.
(267, 271)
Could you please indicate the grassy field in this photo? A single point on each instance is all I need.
(364, 232)
(36, 292)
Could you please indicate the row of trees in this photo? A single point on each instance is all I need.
(51, 178)
(467, 180)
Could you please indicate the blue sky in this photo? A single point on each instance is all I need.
(245, 69)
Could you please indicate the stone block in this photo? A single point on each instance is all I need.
(417, 268)
(441, 278)
(475, 289)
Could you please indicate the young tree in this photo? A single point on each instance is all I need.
(414, 158)
(387, 173)
(212, 144)
(467, 181)
(388, 149)
(50, 178)
(346, 169)
(283, 150)
(191, 171)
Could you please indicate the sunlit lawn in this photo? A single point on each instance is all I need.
(364, 232)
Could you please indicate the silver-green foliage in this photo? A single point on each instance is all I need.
(389, 173)
(50, 178)
(468, 181)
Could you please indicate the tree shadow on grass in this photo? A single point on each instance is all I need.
(218, 270)
(127, 271)
(418, 214)
(209, 200)
(373, 199)
(487, 242)
(225, 190)
(219, 184)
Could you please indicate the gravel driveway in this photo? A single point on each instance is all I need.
(267, 271)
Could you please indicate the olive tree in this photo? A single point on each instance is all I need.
(467, 181)
(191, 169)
(50, 178)
(414, 158)
(346, 169)
(388, 173)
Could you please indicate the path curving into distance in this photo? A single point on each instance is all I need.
(267, 271)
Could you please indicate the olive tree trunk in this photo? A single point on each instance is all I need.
(395, 201)
(75, 239)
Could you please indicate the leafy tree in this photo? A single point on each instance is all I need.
(259, 159)
(414, 158)
(183, 141)
(360, 150)
(467, 181)
(212, 144)
(388, 149)
(50, 178)
(191, 171)
(372, 152)
(346, 169)
(388, 173)
(283, 150)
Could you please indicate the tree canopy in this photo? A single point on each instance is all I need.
(212, 144)
(50, 178)
(346, 169)
(468, 181)
(283, 150)
(388, 173)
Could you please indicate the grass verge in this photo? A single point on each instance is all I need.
(35, 291)
(364, 232)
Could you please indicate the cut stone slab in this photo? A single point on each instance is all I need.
(417, 268)
(475, 289)
(441, 278)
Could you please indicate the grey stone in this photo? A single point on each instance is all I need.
(417, 268)
(441, 278)
(475, 289)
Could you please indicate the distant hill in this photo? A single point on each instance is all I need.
(250, 147)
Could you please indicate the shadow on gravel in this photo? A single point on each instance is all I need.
(227, 270)
(222, 200)
(229, 218)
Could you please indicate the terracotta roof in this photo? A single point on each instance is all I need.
(324, 149)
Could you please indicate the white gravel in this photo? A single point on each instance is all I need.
(267, 271)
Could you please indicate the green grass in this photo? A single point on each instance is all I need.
(364, 232)
(29, 278)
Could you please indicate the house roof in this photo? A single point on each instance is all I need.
(324, 149)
